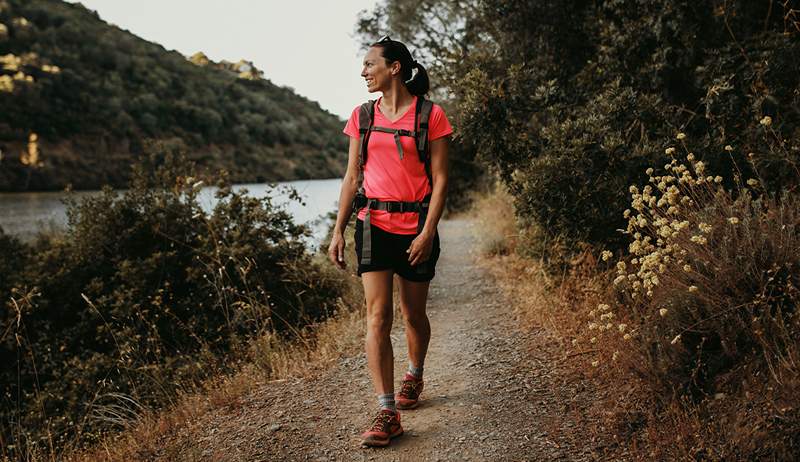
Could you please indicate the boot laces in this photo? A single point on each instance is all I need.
(381, 421)
(409, 387)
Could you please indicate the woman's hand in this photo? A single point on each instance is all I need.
(336, 250)
(420, 249)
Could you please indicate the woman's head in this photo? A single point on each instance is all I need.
(389, 59)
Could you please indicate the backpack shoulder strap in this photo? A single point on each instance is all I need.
(366, 117)
(422, 115)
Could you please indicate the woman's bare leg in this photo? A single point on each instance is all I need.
(380, 358)
(413, 300)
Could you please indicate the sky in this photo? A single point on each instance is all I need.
(308, 45)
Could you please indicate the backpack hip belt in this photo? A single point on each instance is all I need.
(390, 206)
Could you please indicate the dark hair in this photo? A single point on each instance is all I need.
(392, 51)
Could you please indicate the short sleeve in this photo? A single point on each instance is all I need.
(351, 128)
(438, 126)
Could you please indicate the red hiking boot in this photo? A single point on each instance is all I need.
(410, 389)
(385, 425)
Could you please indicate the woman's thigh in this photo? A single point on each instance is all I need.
(378, 293)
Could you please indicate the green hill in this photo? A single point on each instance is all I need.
(93, 93)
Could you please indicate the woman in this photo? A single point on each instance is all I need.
(397, 241)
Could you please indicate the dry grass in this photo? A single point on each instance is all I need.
(556, 302)
(150, 435)
(495, 217)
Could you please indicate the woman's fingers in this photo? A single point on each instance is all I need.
(336, 252)
(417, 253)
(332, 254)
(340, 254)
(412, 251)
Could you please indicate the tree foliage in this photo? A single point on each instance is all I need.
(566, 101)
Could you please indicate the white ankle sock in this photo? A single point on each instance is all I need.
(386, 401)
(415, 371)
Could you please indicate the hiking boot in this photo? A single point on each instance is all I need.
(385, 425)
(410, 389)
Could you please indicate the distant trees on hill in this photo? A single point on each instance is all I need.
(93, 93)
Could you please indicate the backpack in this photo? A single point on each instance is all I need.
(366, 119)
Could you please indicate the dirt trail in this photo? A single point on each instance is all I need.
(493, 391)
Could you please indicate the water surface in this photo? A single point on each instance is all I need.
(25, 214)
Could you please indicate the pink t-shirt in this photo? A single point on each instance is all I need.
(386, 176)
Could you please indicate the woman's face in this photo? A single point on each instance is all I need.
(377, 74)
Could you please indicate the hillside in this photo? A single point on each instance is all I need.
(93, 94)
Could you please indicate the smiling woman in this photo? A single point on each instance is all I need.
(397, 180)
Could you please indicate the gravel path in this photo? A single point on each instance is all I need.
(493, 390)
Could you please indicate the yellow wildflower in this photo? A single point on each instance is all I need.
(698, 239)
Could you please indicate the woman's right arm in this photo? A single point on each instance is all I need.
(348, 192)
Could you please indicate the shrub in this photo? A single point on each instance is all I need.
(144, 295)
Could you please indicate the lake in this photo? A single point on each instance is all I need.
(24, 214)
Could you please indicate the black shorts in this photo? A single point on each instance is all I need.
(389, 252)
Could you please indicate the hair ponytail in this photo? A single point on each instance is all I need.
(419, 84)
(392, 51)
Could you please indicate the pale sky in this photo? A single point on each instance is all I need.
(304, 44)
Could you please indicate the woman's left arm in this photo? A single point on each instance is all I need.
(422, 246)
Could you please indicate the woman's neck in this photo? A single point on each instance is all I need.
(395, 99)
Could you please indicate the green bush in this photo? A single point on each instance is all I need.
(144, 295)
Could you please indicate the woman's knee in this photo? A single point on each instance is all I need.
(415, 317)
(379, 316)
